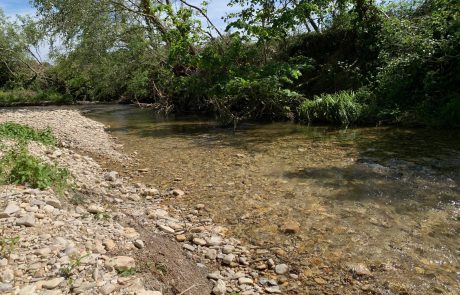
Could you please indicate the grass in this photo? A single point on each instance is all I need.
(17, 166)
(127, 272)
(25, 133)
(9, 97)
(341, 108)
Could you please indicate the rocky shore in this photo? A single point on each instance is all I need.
(107, 235)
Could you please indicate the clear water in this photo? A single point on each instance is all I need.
(388, 198)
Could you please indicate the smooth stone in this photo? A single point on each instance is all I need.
(166, 228)
(139, 244)
(245, 281)
(198, 241)
(281, 269)
(53, 283)
(273, 290)
(181, 238)
(121, 263)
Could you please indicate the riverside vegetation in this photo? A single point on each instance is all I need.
(341, 62)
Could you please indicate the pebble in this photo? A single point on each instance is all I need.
(199, 242)
(109, 244)
(111, 176)
(178, 192)
(227, 249)
(53, 283)
(95, 209)
(219, 288)
(139, 244)
(6, 276)
(281, 269)
(181, 238)
(291, 227)
(228, 259)
(11, 209)
(211, 254)
(121, 263)
(244, 281)
(27, 220)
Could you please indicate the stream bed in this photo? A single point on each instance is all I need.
(386, 199)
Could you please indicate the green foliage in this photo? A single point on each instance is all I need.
(17, 166)
(25, 133)
(419, 76)
(127, 272)
(74, 262)
(7, 245)
(339, 108)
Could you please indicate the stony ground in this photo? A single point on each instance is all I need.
(107, 235)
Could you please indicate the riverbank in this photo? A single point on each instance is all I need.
(106, 234)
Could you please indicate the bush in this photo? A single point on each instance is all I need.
(13, 96)
(340, 108)
(19, 167)
(24, 133)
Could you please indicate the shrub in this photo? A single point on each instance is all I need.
(339, 108)
(20, 95)
(24, 133)
(17, 166)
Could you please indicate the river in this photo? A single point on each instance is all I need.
(387, 199)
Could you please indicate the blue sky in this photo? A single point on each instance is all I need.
(216, 9)
(13, 7)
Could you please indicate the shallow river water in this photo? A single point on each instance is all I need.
(385, 198)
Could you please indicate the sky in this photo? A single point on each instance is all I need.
(216, 10)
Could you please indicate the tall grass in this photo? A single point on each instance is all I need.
(340, 108)
(31, 96)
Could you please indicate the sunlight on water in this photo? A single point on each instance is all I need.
(388, 198)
